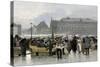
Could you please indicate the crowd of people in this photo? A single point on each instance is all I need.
(76, 44)
(58, 44)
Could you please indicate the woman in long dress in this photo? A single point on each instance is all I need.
(79, 45)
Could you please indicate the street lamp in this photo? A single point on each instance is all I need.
(31, 31)
(52, 40)
(52, 30)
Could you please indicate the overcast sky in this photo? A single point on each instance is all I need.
(27, 12)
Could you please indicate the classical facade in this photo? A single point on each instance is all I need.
(82, 26)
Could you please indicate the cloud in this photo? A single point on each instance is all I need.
(27, 12)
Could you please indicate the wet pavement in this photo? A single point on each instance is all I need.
(39, 60)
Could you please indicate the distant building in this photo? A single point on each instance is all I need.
(42, 28)
(28, 31)
(83, 26)
(16, 29)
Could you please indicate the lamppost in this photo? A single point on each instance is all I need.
(52, 30)
(31, 31)
(52, 33)
(52, 40)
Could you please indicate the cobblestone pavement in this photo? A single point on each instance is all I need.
(38, 60)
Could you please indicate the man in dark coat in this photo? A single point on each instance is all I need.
(50, 47)
(86, 45)
(74, 44)
(59, 50)
(23, 47)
